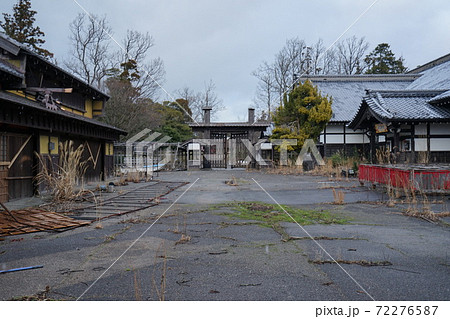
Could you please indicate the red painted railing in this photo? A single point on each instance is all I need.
(422, 178)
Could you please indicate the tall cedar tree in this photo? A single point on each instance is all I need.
(382, 61)
(20, 26)
(303, 115)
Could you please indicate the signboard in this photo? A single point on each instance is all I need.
(381, 128)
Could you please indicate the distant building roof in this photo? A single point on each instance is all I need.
(229, 124)
(348, 90)
(399, 106)
(436, 77)
(430, 64)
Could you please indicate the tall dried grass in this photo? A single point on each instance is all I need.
(62, 180)
(383, 155)
(338, 197)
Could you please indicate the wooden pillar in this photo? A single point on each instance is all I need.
(413, 144)
(428, 141)
(396, 146)
(325, 142)
(372, 145)
(345, 142)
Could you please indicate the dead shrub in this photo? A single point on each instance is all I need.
(63, 179)
(338, 197)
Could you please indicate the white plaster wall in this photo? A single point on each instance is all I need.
(335, 129)
(335, 139)
(440, 129)
(421, 129)
(420, 144)
(440, 144)
(356, 139)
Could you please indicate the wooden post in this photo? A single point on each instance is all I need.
(413, 144)
(372, 145)
(345, 142)
(428, 142)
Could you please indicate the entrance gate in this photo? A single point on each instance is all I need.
(216, 151)
(225, 150)
(239, 149)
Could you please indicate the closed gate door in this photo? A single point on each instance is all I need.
(217, 150)
(240, 152)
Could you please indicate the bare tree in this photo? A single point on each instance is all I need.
(127, 110)
(265, 90)
(193, 101)
(90, 38)
(350, 55)
(209, 99)
(149, 74)
(296, 59)
(296, 52)
(197, 101)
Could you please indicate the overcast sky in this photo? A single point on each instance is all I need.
(225, 40)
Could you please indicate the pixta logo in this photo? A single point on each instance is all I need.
(141, 149)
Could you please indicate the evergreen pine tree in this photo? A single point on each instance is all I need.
(382, 61)
(303, 115)
(20, 26)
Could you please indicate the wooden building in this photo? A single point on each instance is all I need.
(41, 106)
(222, 145)
(355, 96)
(346, 92)
(407, 122)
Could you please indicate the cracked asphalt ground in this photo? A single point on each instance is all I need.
(196, 252)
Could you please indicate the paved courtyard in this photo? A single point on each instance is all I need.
(194, 246)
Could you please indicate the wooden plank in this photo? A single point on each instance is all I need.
(19, 151)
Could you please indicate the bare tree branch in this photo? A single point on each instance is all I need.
(89, 59)
(351, 53)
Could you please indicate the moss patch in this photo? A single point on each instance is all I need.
(270, 215)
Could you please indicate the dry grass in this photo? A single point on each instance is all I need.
(184, 239)
(62, 179)
(161, 287)
(418, 203)
(286, 170)
(423, 157)
(363, 263)
(383, 155)
(338, 197)
(137, 287)
(134, 177)
(232, 181)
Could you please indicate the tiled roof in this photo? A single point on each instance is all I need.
(229, 124)
(434, 78)
(8, 68)
(405, 105)
(20, 46)
(348, 91)
(441, 97)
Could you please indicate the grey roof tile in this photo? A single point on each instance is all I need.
(435, 78)
(405, 105)
(440, 97)
(8, 68)
(348, 91)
